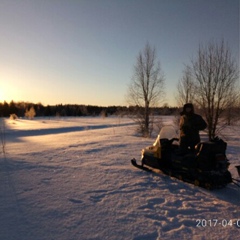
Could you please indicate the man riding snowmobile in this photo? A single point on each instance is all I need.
(206, 166)
(190, 125)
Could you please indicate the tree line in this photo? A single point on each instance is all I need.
(27, 109)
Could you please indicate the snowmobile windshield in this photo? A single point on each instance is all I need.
(168, 132)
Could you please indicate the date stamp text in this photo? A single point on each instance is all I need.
(203, 223)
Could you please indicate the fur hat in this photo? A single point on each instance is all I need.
(187, 105)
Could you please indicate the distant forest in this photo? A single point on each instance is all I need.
(21, 108)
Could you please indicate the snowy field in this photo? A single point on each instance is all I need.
(71, 179)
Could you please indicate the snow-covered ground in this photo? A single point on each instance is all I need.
(71, 178)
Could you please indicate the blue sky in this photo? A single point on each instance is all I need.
(83, 52)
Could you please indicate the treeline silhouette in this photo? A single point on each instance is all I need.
(20, 109)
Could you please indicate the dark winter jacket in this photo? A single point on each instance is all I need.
(190, 125)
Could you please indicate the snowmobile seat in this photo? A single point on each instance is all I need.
(209, 152)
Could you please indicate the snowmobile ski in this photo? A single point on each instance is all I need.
(135, 164)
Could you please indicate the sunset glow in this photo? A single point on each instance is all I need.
(2, 96)
(84, 52)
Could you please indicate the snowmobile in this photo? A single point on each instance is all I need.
(206, 167)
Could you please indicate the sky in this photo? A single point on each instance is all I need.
(84, 51)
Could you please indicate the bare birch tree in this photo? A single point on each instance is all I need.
(146, 88)
(216, 73)
(185, 87)
(31, 113)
